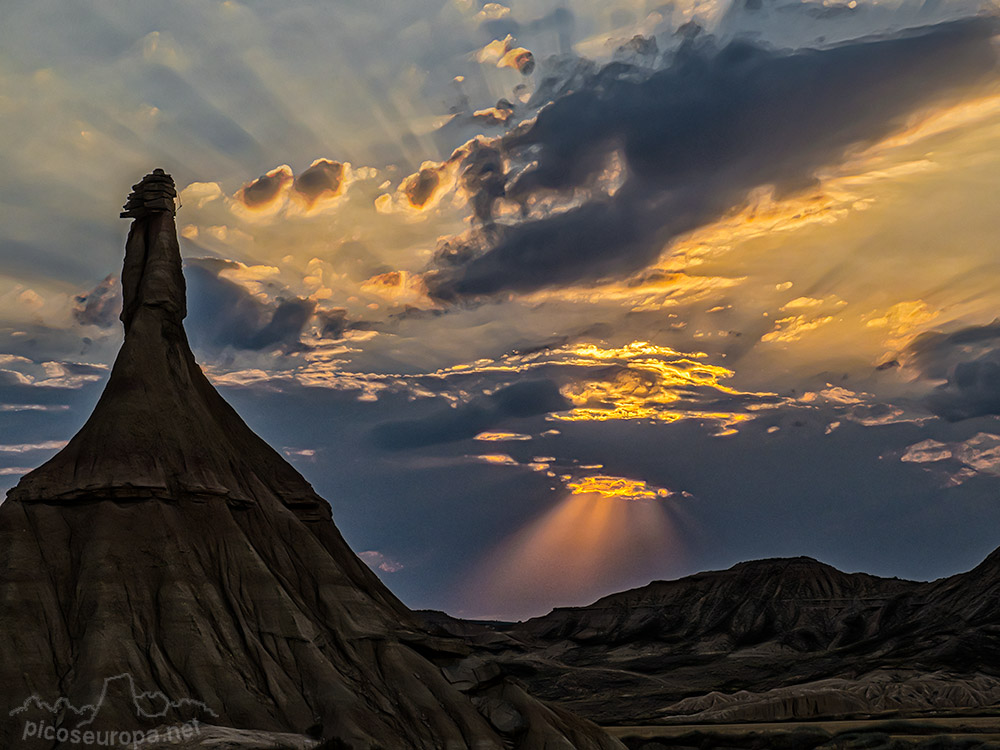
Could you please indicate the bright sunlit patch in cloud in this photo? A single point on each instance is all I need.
(616, 488)
(902, 321)
(497, 437)
(651, 382)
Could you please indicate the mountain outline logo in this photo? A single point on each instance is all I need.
(92, 710)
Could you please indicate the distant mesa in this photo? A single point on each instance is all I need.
(764, 641)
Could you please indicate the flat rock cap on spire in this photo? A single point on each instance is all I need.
(153, 193)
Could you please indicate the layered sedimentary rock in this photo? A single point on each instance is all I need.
(168, 569)
(768, 640)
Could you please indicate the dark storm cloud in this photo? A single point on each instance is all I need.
(223, 313)
(700, 134)
(527, 398)
(936, 354)
(639, 49)
(333, 323)
(969, 360)
(100, 306)
(483, 176)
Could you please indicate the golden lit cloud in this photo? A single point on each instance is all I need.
(650, 290)
(422, 190)
(794, 327)
(652, 382)
(493, 12)
(498, 459)
(324, 180)
(902, 321)
(518, 58)
(427, 188)
(400, 288)
(498, 115)
(197, 194)
(504, 54)
(499, 437)
(268, 192)
(616, 488)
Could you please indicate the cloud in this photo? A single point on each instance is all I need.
(51, 374)
(69, 374)
(333, 324)
(936, 354)
(101, 306)
(32, 407)
(424, 189)
(482, 172)
(614, 487)
(267, 190)
(377, 560)
(959, 460)
(504, 54)
(225, 313)
(13, 378)
(496, 115)
(499, 437)
(48, 445)
(323, 179)
(526, 398)
(969, 361)
(696, 138)
(399, 288)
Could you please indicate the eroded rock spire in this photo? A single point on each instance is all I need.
(151, 273)
(168, 549)
(160, 429)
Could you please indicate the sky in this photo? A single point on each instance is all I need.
(548, 299)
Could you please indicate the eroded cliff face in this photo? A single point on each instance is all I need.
(170, 566)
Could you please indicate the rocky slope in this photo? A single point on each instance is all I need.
(168, 567)
(763, 641)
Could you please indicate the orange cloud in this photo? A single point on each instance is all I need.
(503, 54)
(267, 190)
(400, 288)
(612, 487)
(324, 179)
